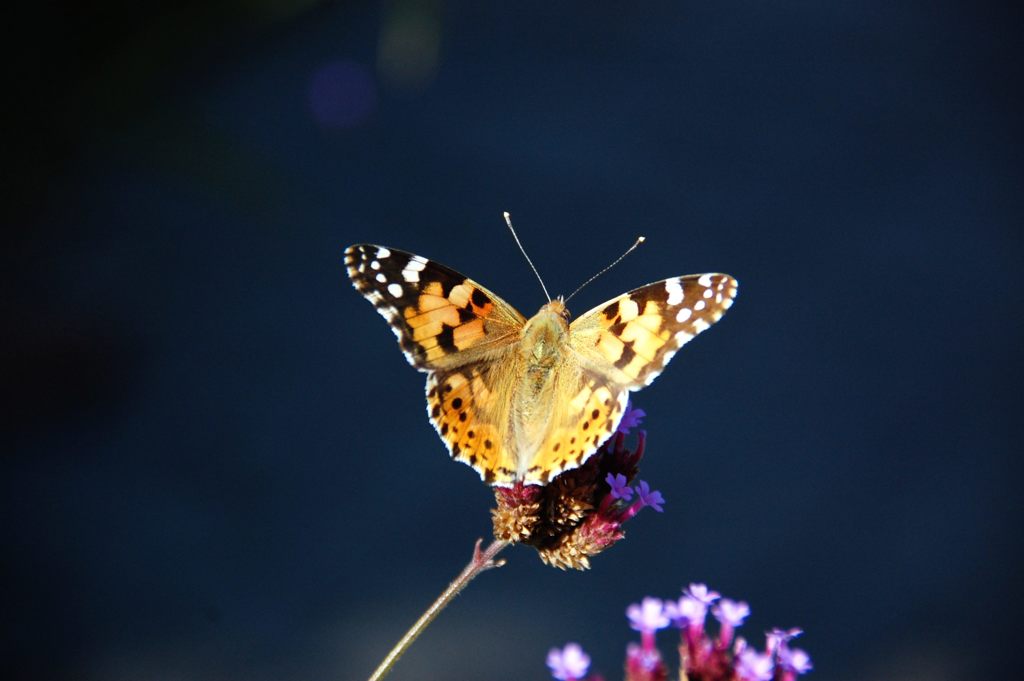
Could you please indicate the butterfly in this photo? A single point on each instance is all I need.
(522, 400)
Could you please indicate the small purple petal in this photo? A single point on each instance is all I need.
(649, 615)
(631, 419)
(777, 637)
(650, 497)
(687, 611)
(568, 663)
(620, 486)
(702, 593)
(753, 666)
(731, 613)
(794, 659)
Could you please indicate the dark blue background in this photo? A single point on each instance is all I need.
(221, 466)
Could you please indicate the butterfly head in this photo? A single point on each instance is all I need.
(558, 308)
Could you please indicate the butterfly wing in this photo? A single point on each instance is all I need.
(630, 339)
(441, 318)
(462, 335)
(472, 409)
(587, 413)
(469, 407)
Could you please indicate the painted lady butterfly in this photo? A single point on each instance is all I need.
(522, 400)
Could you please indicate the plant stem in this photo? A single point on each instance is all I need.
(481, 560)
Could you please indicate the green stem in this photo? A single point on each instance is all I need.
(482, 560)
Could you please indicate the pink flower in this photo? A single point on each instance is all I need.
(647, 616)
(568, 664)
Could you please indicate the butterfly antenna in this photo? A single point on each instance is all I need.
(639, 240)
(508, 221)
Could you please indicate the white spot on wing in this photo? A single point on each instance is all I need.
(383, 252)
(395, 290)
(381, 278)
(411, 276)
(683, 314)
(700, 305)
(675, 291)
(375, 265)
(705, 280)
(700, 325)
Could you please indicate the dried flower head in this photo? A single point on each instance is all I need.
(581, 512)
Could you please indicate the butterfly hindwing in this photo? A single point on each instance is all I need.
(632, 338)
(468, 407)
(440, 317)
(588, 414)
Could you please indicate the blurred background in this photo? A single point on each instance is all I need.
(218, 462)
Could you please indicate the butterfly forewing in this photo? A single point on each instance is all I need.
(440, 317)
(631, 338)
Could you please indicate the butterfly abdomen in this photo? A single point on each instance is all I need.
(542, 355)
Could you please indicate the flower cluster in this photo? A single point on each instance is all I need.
(581, 512)
(702, 656)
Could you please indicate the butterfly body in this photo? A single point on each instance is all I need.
(521, 400)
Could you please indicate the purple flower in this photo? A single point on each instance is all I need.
(795, 660)
(647, 616)
(644, 663)
(648, 497)
(687, 611)
(620, 486)
(722, 658)
(631, 419)
(754, 666)
(702, 593)
(777, 637)
(731, 613)
(569, 663)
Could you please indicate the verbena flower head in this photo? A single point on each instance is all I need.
(702, 593)
(754, 666)
(569, 663)
(648, 615)
(687, 611)
(703, 658)
(731, 613)
(580, 512)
